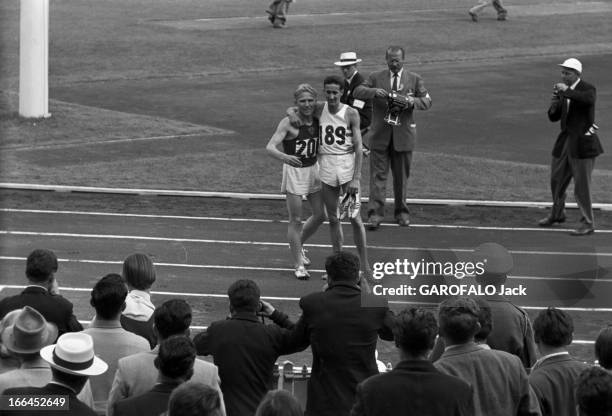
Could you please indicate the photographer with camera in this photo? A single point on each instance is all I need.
(392, 143)
(245, 349)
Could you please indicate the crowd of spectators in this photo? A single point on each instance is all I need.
(135, 358)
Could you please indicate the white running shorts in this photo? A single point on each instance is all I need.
(300, 181)
(336, 170)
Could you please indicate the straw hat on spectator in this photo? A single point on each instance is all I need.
(74, 354)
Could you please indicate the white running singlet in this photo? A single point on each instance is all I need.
(336, 137)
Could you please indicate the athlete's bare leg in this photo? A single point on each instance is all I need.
(330, 200)
(294, 230)
(316, 219)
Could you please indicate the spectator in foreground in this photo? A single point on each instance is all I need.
(8, 361)
(279, 403)
(245, 349)
(136, 374)
(111, 341)
(28, 334)
(194, 399)
(594, 392)
(342, 325)
(42, 293)
(414, 385)
(499, 380)
(553, 377)
(174, 363)
(137, 317)
(72, 362)
(603, 348)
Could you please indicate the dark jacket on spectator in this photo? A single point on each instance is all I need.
(342, 333)
(54, 308)
(245, 351)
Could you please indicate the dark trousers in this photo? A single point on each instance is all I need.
(380, 161)
(562, 170)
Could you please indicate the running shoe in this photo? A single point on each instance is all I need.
(350, 206)
(301, 273)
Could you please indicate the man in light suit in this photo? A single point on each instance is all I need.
(392, 145)
(577, 146)
(136, 374)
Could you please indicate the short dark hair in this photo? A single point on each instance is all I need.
(415, 330)
(194, 399)
(485, 318)
(108, 296)
(40, 265)
(594, 392)
(244, 295)
(139, 271)
(553, 327)
(173, 317)
(334, 80)
(394, 49)
(342, 266)
(279, 403)
(459, 319)
(176, 357)
(603, 347)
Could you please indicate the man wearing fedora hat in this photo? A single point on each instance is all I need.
(348, 65)
(72, 362)
(24, 338)
(576, 147)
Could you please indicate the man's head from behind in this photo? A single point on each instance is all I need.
(553, 328)
(279, 403)
(139, 271)
(342, 267)
(108, 296)
(194, 399)
(176, 357)
(497, 263)
(594, 392)
(415, 331)
(244, 296)
(41, 265)
(173, 317)
(459, 320)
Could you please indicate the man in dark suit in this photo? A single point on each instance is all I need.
(72, 362)
(342, 325)
(245, 349)
(42, 293)
(392, 145)
(414, 385)
(348, 65)
(553, 377)
(577, 146)
(175, 366)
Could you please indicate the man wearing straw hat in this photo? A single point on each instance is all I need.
(24, 339)
(72, 362)
(348, 65)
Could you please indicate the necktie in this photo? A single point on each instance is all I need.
(394, 82)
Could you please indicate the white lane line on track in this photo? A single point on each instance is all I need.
(292, 299)
(257, 220)
(282, 269)
(277, 244)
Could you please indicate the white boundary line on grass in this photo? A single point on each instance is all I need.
(241, 195)
(281, 269)
(278, 244)
(259, 220)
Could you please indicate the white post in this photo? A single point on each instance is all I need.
(34, 59)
